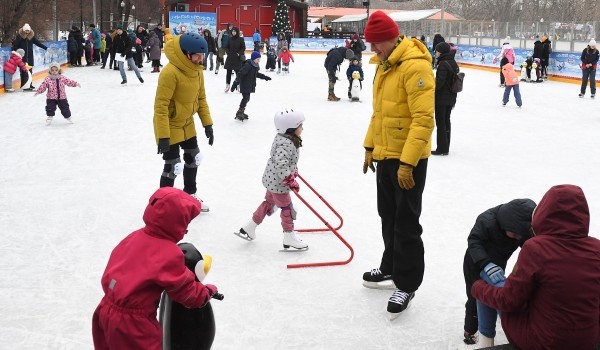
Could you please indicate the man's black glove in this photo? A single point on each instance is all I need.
(234, 86)
(163, 145)
(267, 78)
(208, 131)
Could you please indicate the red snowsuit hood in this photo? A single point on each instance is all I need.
(169, 212)
(563, 211)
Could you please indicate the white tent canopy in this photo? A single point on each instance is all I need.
(406, 16)
(351, 18)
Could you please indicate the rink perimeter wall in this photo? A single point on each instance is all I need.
(564, 66)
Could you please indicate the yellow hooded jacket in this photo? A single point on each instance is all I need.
(403, 105)
(179, 95)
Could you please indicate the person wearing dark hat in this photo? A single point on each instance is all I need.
(180, 94)
(123, 48)
(398, 140)
(235, 55)
(445, 99)
(589, 63)
(25, 40)
(495, 236)
(357, 46)
(333, 61)
(246, 79)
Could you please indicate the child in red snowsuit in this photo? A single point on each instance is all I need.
(10, 67)
(285, 56)
(140, 268)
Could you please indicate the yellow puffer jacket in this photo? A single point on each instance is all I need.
(403, 105)
(179, 95)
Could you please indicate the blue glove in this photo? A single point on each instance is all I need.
(487, 280)
(494, 272)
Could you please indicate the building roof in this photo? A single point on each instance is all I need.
(314, 11)
(401, 16)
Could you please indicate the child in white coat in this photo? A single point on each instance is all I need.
(279, 178)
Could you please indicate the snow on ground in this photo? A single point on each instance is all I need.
(70, 193)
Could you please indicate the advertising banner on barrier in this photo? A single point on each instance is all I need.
(303, 44)
(193, 22)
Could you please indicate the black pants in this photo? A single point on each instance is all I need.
(97, 55)
(245, 99)
(442, 123)
(404, 254)
(73, 58)
(25, 76)
(189, 169)
(471, 273)
(79, 54)
(228, 75)
(104, 56)
(112, 59)
(156, 63)
(63, 105)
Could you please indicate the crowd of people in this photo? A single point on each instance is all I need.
(537, 307)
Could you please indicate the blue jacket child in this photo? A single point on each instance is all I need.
(354, 67)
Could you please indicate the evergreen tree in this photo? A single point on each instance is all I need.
(281, 22)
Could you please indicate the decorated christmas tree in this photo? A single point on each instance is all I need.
(281, 22)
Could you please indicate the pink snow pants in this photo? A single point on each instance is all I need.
(281, 200)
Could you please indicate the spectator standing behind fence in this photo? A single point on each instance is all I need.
(551, 300)
(25, 40)
(546, 50)
(589, 63)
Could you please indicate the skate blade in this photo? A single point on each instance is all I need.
(243, 236)
(204, 210)
(291, 249)
(380, 285)
(394, 316)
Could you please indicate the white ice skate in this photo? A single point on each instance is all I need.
(290, 239)
(355, 90)
(48, 120)
(227, 88)
(248, 231)
(204, 207)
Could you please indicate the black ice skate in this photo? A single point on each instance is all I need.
(398, 302)
(375, 279)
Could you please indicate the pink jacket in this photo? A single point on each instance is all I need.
(510, 76)
(56, 87)
(13, 62)
(286, 56)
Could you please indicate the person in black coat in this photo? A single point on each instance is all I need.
(445, 99)
(73, 45)
(357, 46)
(546, 50)
(589, 64)
(235, 55)
(25, 40)
(246, 79)
(212, 48)
(497, 233)
(108, 51)
(141, 34)
(335, 57)
(437, 38)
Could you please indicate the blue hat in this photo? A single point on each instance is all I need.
(255, 55)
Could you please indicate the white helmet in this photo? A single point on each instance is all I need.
(288, 118)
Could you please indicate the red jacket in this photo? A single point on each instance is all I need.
(551, 300)
(140, 268)
(286, 56)
(13, 62)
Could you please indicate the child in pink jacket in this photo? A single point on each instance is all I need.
(55, 83)
(10, 67)
(512, 83)
(285, 56)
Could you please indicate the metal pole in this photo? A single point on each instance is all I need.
(81, 13)
(94, 18)
(55, 36)
(443, 23)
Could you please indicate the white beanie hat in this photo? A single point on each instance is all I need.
(54, 64)
(507, 40)
(26, 27)
(592, 43)
(21, 52)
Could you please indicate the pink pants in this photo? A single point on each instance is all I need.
(281, 200)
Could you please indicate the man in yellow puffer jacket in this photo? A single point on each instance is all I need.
(399, 141)
(179, 95)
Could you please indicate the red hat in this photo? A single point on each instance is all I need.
(381, 27)
(355, 37)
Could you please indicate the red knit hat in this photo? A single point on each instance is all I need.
(381, 27)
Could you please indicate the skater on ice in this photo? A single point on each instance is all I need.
(550, 299)
(142, 266)
(512, 83)
(180, 95)
(445, 98)
(245, 80)
(333, 61)
(56, 96)
(279, 179)
(10, 68)
(403, 97)
(589, 63)
(495, 236)
(271, 58)
(285, 56)
(354, 80)
(506, 55)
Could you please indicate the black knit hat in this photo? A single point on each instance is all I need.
(442, 48)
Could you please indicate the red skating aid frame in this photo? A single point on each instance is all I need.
(328, 228)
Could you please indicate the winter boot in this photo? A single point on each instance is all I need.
(485, 342)
(332, 97)
(470, 339)
(227, 88)
(398, 302)
(291, 239)
(249, 230)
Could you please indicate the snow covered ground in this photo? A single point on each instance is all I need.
(70, 192)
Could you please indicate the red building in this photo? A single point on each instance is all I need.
(248, 15)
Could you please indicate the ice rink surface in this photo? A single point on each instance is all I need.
(71, 192)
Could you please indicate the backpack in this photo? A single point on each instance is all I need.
(456, 83)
